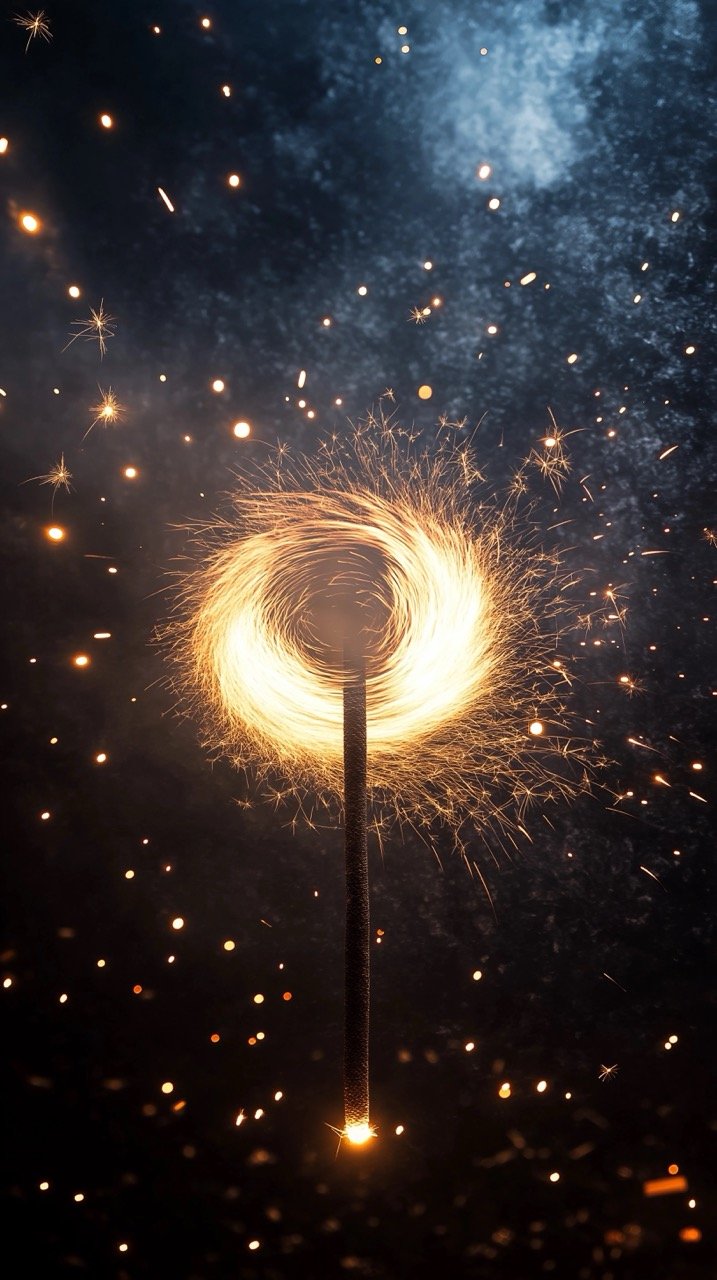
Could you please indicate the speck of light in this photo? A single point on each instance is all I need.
(106, 120)
(425, 392)
(241, 430)
(30, 223)
(55, 533)
(178, 922)
(234, 180)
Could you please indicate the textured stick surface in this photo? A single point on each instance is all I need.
(357, 903)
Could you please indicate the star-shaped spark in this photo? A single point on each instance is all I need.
(99, 328)
(552, 463)
(419, 316)
(608, 1073)
(108, 410)
(58, 476)
(36, 24)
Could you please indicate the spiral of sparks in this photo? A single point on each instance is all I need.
(462, 616)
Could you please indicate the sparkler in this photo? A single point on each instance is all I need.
(447, 670)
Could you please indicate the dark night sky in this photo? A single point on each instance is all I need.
(596, 123)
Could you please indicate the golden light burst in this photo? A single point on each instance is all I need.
(58, 476)
(36, 24)
(99, 328)
(463, 614)
(108, 410)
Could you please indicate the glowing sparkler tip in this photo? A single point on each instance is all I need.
(358, 1134)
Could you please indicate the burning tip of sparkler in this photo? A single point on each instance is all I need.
(359, 1134)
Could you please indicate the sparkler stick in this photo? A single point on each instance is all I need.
(357, 974)
(322, 609)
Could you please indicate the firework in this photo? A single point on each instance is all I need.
(58, 476)
(98, 328)
(464, 616)
(459, 617)
(108, 410)
(36, 24)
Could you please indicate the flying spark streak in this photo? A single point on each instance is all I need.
(664, 1186)
(99, 328)
(166, 199)
(666, 452)
(617, 984)
(645, 745)
(36, 24)
(654, 877)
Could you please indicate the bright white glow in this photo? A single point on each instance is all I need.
(358, 1134)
